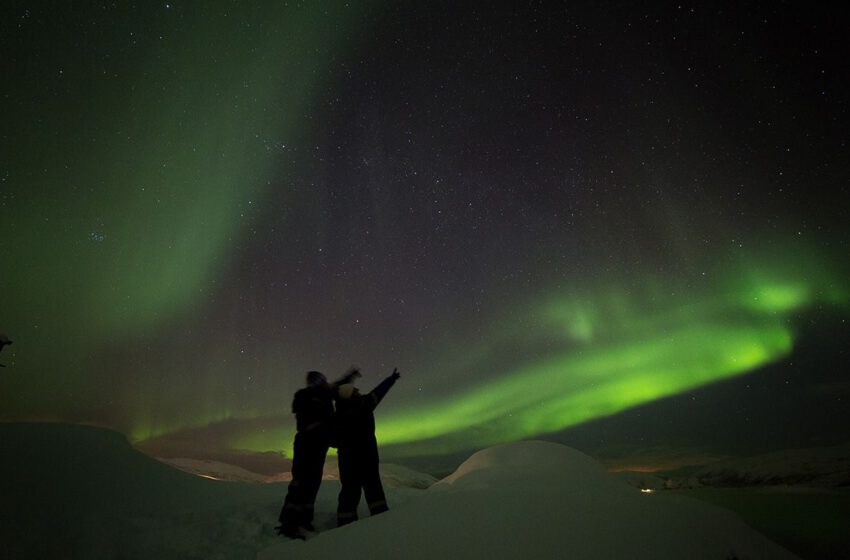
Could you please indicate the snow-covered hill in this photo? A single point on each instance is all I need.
(539, 500)
(82, 492)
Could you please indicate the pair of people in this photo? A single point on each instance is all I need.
(350, 428)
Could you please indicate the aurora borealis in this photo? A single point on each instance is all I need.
(553, 219)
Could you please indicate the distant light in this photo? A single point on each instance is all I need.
(647, 490)
(214, 478)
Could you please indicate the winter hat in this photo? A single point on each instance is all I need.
(315, 378)
(345, 391)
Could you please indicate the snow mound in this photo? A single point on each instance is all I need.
(539, 500)
(528, 459)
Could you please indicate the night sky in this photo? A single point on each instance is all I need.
(621, 227)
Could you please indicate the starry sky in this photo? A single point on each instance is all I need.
(620, 226)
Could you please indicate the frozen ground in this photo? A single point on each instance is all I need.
(81, 492)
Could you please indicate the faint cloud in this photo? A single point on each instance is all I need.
(655, 459)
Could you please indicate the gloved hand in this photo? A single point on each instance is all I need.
(395, 375)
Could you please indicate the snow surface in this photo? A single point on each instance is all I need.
(83, 492)
(539, 500)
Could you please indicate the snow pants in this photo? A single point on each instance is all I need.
(308, 462)
(358, 471)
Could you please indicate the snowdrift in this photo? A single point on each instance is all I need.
(539, 500)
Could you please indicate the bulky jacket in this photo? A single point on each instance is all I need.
(355, 421)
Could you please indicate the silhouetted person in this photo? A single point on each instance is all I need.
(313, 409)
(358, 449)
(4, 341)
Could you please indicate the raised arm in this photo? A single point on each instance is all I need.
(349, 377)
(383, 387)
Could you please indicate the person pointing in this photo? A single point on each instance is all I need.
(358, 449)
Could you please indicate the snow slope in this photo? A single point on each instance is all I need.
(83, 492)
(539, 500)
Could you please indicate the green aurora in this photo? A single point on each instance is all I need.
(611, 351)
(135, 195)
(142, 192)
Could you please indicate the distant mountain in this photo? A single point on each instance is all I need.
(392, 475)
(822, 467)
(216, 470)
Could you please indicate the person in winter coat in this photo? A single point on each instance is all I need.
(358, 449)
(314, 411)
